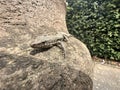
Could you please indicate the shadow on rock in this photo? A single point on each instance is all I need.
(37, 50)
(26, 73)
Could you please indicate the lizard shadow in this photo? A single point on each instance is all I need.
(36, 51)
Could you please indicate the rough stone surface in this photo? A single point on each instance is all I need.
(22, 68)
(23, 73)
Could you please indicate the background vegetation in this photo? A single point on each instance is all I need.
(96, 23)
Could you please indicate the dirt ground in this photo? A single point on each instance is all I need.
(106, 77)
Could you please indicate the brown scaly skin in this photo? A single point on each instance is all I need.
(48, 41)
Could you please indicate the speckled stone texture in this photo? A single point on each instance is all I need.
(22, 68)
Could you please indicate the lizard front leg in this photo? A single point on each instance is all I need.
(60, 44)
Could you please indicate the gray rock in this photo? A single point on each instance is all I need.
(23, 68)
(23, 73)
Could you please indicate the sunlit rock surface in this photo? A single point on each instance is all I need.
(20, 22)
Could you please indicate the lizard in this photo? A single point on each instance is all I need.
(48, 41)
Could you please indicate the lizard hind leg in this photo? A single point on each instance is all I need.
(62, 47)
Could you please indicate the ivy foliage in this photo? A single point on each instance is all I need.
(97, 24)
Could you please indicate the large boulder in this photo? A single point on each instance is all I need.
(21, 21)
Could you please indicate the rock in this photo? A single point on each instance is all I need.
(23, 73)
(22, 68)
